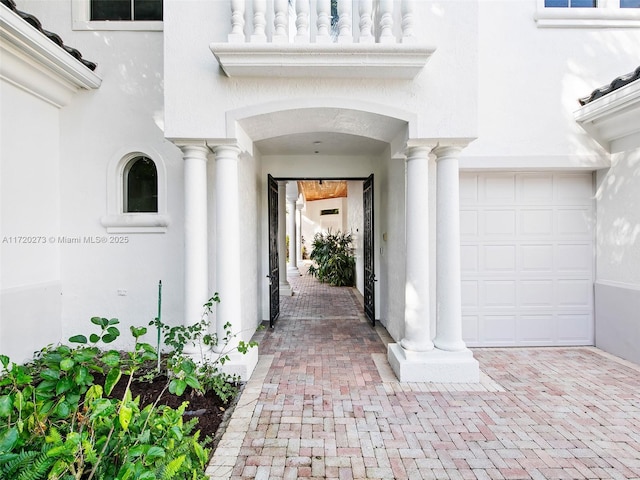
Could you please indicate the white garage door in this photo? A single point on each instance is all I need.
(527, 258)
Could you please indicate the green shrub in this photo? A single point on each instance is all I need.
(57, 423)
(334, 262)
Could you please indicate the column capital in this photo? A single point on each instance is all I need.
(194, 150)
(444, 151)
(415, 152)
(226, 151)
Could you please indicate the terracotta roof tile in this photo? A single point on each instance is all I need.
(54, 37)
(617, 83)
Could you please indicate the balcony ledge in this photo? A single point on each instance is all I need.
(342, 60)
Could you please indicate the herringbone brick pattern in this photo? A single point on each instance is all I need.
(318, 407)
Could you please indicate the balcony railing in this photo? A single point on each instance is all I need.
(367, 39)
(305, 21)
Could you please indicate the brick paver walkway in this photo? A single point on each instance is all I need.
(323, 403)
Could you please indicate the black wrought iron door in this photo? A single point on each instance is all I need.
(369, 265)
(274, 273)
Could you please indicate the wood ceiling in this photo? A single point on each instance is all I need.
(322, 189)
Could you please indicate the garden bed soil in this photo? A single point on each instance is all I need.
(208, 408)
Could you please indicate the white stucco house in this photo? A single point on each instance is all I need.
(490, 207)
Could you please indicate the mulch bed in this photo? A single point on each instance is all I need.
(209, 409)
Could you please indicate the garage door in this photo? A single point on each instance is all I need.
(527, 258)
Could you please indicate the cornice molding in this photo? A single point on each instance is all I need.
(35, 64)
(353, 60)
(613, 119)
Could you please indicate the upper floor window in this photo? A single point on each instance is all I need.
(591, 4)
(140, 15)
(588, 13)
(136, 10)
(140, 186)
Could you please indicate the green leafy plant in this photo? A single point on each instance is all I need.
(206, 374)
(56, 423)
(334, 262)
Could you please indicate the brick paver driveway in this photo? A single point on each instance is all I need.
(323, 403)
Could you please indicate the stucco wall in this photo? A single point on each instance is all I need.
(30, 223)
(198, 93)
(617, 289)
(530, 79)
(125, 114)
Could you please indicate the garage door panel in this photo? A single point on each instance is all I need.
(527, 258)
(499, 293)
(535, 188)
(499, 223)
(574, 293)
(574, 188)
(575, 258)
(469, 293)
(576, 329)
(537, 293)
(498, 189)
(536, 222)
(468, 223)
(536, 258)
(469, 258)
(498, 329)
(574, 222)
(536, 329)
(499, 258)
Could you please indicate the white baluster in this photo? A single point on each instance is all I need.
(237, 22)
(323, 22)
(302, 21)
(280, 21)
(344, 21)
(386, 22)
(366, 22)
(259, 21)
(407, 21)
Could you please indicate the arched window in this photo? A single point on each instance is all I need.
(140, 186)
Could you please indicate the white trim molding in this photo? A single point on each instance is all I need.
(614, 119)
(119, 221)
(390, 61)
(35, 64)
(80, 12)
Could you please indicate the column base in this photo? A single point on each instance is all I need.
(239, 364)
(435, 366)
(285, 290)
(293, 272)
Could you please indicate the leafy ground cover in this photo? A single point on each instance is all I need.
(83, 412)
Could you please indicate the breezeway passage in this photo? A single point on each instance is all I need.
(323, 403)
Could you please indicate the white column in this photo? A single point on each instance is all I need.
(448, 286)
(293, 251)
(299, 207)
(195, 234)
(448, 361)
(229, 264)
(227, 241)
(417, 336)
(285, 287)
